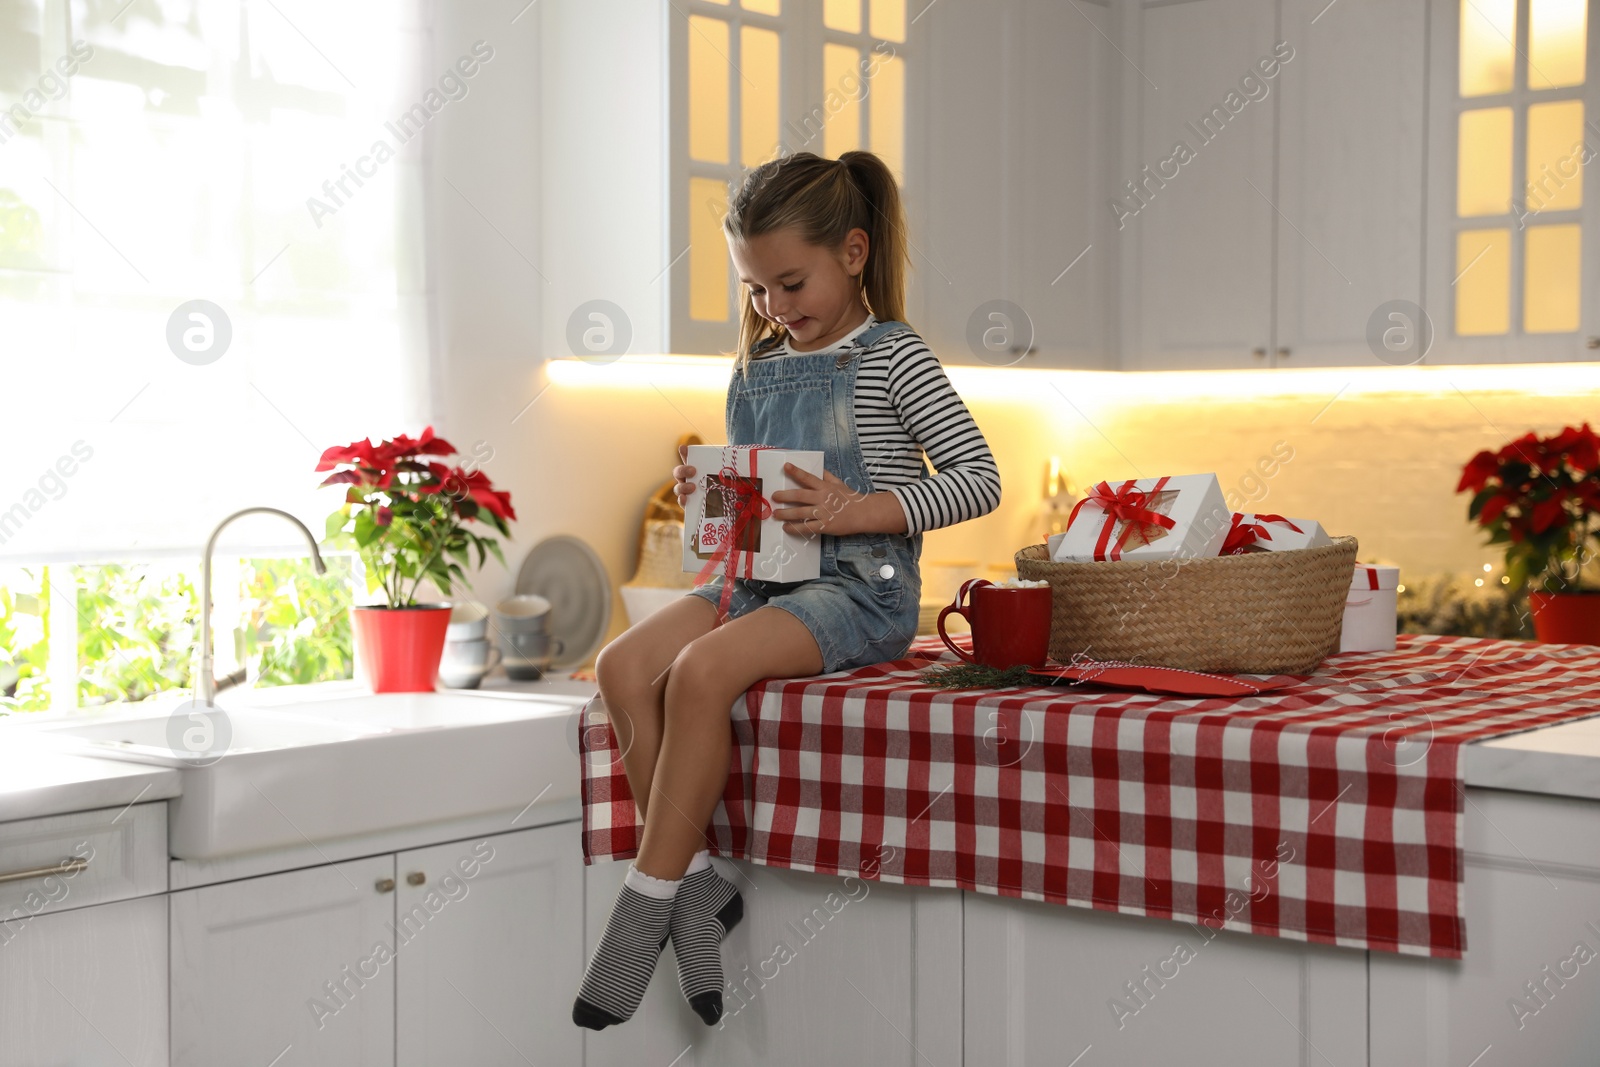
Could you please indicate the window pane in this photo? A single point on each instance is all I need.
(1483, 166)
(1488, 40)
(842, 79)
(763, 7)
(758, 125)
(1483, 282)
(1550, 281)
(708, 89)
(842, 15)
(1556, 38)
(708, 250)
(887, 112)
(1555, 156)
(888, 19)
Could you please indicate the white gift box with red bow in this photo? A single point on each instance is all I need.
(1272, 533)
(1371, 613)
(1179, 517)
(733, 488)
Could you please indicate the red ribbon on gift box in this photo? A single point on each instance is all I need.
(1127, 504)
(750, 506)
(1241, 534)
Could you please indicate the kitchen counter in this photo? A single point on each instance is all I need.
(35, 781)
(1562, 760)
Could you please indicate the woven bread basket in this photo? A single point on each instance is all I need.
(1255, 613)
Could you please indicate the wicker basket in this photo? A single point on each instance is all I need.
(1256, 613)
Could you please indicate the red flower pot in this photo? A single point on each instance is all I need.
(401, 647)
(1569, 618)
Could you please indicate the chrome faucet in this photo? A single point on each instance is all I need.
(208, 684)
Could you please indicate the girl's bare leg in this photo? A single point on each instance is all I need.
(703, 681)
(632, 675)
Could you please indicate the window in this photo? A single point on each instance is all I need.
(760, 78)
(209, 271)
(1520, 154)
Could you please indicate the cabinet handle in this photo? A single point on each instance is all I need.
(416, 878)
(1594, 342)
(1283, 353)
(71, 866)
(385, 885)
(1259, 353)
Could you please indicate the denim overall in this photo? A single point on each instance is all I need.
(863, 606)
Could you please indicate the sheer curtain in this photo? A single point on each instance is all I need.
(209, 269)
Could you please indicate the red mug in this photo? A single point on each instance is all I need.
(1010, 624)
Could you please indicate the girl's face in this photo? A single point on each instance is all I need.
(812, 291)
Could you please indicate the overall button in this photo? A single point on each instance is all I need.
(886, 571)
(879, 550)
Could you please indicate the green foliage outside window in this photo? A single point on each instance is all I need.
(138, 627)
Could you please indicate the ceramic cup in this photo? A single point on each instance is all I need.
(464, 663)
(527, 655)
(1010, 624)
(526, 613)
(469, 621)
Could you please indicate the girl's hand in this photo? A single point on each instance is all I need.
(824, 505)
(684, 474)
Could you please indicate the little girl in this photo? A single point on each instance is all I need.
(825, 363)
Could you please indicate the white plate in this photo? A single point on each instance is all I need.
(565, 571)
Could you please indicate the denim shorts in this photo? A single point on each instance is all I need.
(862, 608)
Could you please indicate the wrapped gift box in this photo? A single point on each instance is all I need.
(1180, 517)
(726, 478)
(1272, 533)
(1370, 611)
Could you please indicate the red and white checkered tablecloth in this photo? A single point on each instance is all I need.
(1329, 810)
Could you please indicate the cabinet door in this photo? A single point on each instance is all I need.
(297, 965)
(959, 259)
(86, 986)
(1528, 984)
(1202, 230)
(822, 970)
(1351, 148)
(1046, 982)
(492, 981)
(1061, 256)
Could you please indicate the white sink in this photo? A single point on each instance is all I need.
(319, 768)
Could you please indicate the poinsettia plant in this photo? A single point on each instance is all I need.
(408, 514)
(1540, 497)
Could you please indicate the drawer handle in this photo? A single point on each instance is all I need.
(385, 885)
(416, 878)
(71, 866)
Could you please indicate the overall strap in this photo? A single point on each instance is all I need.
(871, 336)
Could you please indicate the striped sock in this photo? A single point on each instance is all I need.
(620, 969)
(706, 908)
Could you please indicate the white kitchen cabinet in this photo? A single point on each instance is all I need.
(1351, 162)
(284, 966)
(462, 952)
(86, 986)
(831, 971)
(1527, 989)
(1299, 209)
(492, 981)
(1043, 982)
(1201, 231)
(1018, 124)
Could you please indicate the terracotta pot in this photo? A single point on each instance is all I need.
(1568, 618)
(401, 647)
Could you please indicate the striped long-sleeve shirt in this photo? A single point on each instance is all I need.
(905, 407)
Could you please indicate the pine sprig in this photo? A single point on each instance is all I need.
(977, 675)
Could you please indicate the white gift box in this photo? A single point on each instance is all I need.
(1274, 533)
(766, 551)
(1196, 520)
(1370, 612)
